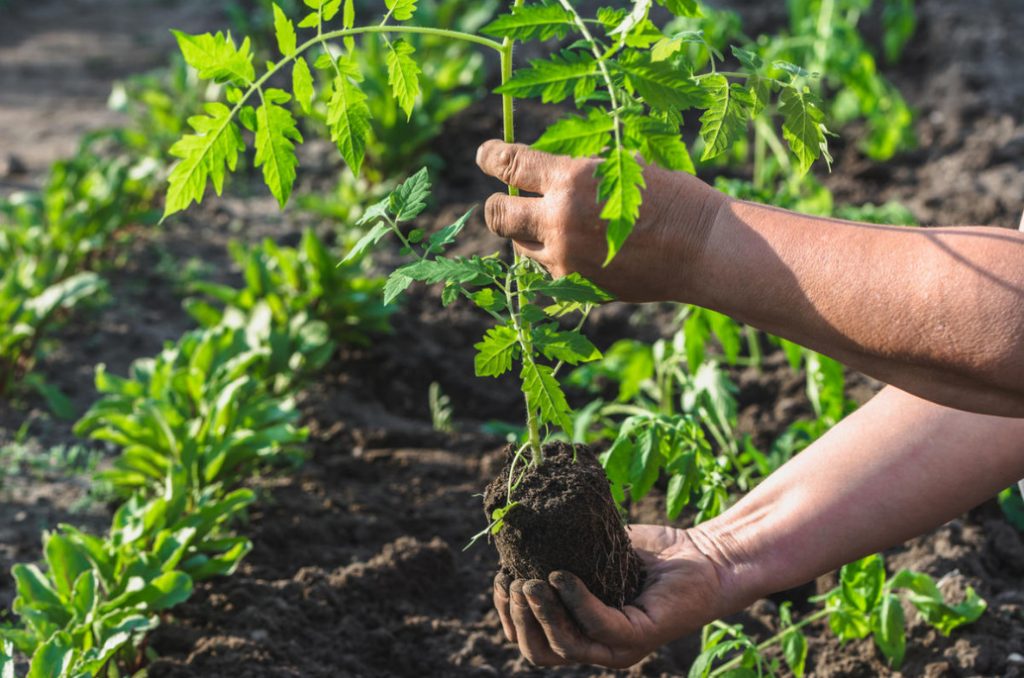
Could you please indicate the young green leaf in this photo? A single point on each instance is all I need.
(554, 79)
(397, 283)
(803, 127)
(371, 238)
(215, 57)
(577, 136)
(276, 130)
(664, 85)
(208, 154)
(532, 22)
(863, 581)
(348, 117)
(401, 10)
(889, 629)
(302, 84)
(545, 394)
(409, 199)
(495, 353)
(726, 118)
(403, 75)
(621, 183)
(659, 143)
(794, 651)
(455, 270)
(284, 30)
(569, 347)
(446, 236)
(572, 287)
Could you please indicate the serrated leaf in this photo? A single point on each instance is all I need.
(532, 22)
(208, 154)
(348, 20)
(284, 31)
(403, 75)
(396, 283)
(496, 351)
(621, 184)
(367, 241)
(409, 199)
(803, 127)
(276, 131)
(454, 270)
(577, 136)
(559, 345)
(401, 10)
(725, 119)
(660, 143)
(348, 117)
(664, 85)
(329, 8)
(573, 287)
(302, 84)
(445, 236)
(215, 57)
(553, 79)
(545, 394)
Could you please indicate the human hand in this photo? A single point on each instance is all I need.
(560, 622)
(563, 231)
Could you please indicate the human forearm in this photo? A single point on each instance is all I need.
(937, 312)
(897, 467)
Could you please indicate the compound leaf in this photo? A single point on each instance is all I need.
(409, 199)
(725, 120)
(554, 79)
(577, 136)
(208, 154)
(276, 131)
(302, 84)
(284, 30)
(803, 127)
(215, 57)
(348, 117)
(401, 10)
(403, 75)
(495, 353)
(532, 22)
(620, 187)
(545, 394)
(664, 85)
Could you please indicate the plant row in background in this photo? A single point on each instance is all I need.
(51, 242)
(193, 425)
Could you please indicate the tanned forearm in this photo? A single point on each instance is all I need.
(937, 312)
(894, 469)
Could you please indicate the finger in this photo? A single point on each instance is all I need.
(501, 603)
(517, 218)
(563, 635)
(518, 165)
(595, 619)
(532, 641)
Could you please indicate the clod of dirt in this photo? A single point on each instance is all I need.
(565, 519)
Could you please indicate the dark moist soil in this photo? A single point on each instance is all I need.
(564, 518)
(358, 568)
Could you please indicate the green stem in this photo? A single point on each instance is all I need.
(733, 663)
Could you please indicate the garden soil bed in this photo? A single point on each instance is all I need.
(358, 567)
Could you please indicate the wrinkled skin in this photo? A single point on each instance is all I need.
(560, 622)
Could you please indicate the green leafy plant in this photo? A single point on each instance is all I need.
(631, 97)
(864, 604)
(299, 282)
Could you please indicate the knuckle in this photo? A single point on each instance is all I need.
(494, 213)
(512, 161)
